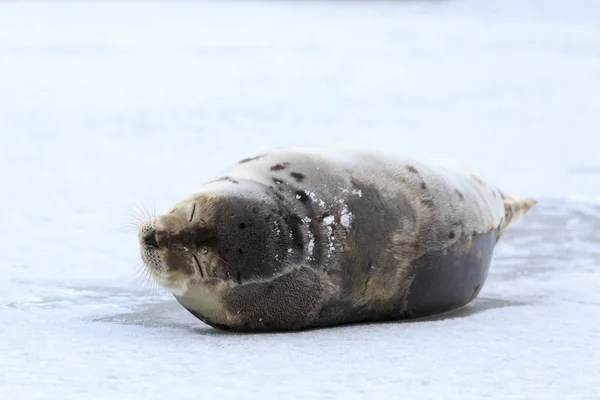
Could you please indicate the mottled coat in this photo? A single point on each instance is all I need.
(303, 238)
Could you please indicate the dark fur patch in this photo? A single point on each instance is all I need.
(294, 222)
(412, 169)
(191, 237)
(227, 179)
(245, 160)
(302, 196)
(318, 250)
(423, 186)
(427, 202)
(297, 176)
(279, 167)
(375, 218)
(459, 194)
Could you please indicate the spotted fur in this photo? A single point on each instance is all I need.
(302, 238)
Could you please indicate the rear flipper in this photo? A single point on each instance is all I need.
(514, 208)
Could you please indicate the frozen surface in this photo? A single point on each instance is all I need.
(107, 107)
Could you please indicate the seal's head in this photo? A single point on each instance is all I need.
(226, 236)
(235, 255)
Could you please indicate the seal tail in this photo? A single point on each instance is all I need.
(514, 208)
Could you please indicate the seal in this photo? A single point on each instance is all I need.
(304, 238)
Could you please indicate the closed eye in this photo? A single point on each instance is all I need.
(193, 211)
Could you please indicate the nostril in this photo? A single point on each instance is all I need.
(150, 239)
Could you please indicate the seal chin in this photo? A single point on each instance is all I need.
(175, 282)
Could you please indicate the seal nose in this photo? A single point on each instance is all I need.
(150, 239)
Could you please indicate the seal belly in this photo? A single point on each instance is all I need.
(448, 279)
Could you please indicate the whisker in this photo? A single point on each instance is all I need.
(137, 216)
(151, 289)
(221, 259)
(146, 211)
(132, 222)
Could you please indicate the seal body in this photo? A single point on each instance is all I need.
(304, 238)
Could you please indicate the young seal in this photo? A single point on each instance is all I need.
(301, 238)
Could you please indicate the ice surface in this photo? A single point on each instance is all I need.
(109, 107)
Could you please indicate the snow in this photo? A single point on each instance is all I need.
(346, 219)
(110, 110)
(329, 220)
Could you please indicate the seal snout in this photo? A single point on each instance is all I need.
(150, 239)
